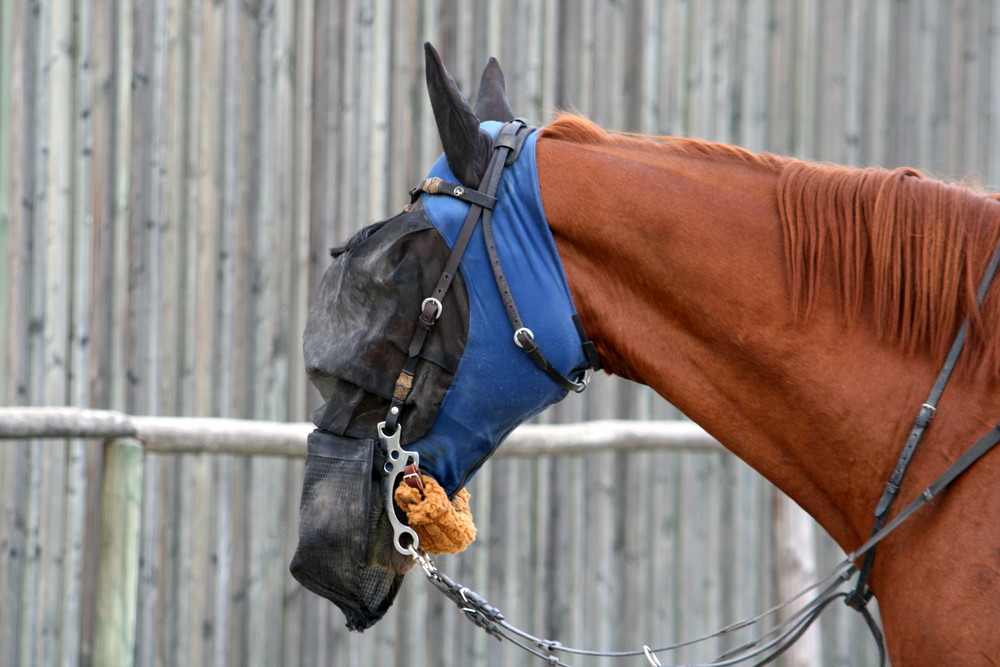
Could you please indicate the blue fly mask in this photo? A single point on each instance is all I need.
(433, 334)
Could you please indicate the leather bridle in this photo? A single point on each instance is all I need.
(506, 149)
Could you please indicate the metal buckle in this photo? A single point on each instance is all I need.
(527, 332)
(439, 308)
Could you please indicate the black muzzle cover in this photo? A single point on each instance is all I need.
(355, 343)
(339, 514)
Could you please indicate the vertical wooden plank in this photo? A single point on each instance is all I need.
(380, 155)
(881, 89)
(726, 54)
(17, 32)
(118, 574)
(12, 549)
(299, 257)
(181, 291)
(203, 244)
(196, 552)
(144, 296)
(858, 39)
(34, 595)
(147, 209)
(795, 569)
(806, 86)
(78, 454)
(664, 549)
(827, 117)
(700, 119)
(122, 22)
(179, 305)
(674, 78)
(973, 123)
(7, 133)
(993, 160)
(61, 557)
(781, 90)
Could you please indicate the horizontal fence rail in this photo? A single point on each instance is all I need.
(128, 436)
(180, 435)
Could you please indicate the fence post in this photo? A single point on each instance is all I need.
(796, 568)
(118, 559)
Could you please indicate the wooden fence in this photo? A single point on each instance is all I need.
(171, 174)
(127, 439)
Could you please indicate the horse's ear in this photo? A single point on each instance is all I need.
(491, 102)
(466, 147)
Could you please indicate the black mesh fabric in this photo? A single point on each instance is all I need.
(355, 344)
(363, 317)
(338, 520)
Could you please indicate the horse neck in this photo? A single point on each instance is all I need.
(675, 261)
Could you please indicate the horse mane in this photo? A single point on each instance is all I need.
(577, 129)
(900, 250)
(906, 250)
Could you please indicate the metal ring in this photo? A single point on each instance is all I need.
(527, 331)
(437, 303)
(651, 656)
(381, 431)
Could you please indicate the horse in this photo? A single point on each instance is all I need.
(799, 312)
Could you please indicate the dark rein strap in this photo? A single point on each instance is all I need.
(764, 649)
(862, 594)
(506, 149)
(775, 641)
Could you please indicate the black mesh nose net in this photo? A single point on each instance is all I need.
(356, 339)
(338, 515)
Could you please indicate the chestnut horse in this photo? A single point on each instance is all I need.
(800, 313)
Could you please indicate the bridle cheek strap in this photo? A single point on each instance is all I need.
(506, 148)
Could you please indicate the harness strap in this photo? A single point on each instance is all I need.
(439, 186)
(506, 148)
(766, 647)
(862, 594)
(433, 306)
(509, 137)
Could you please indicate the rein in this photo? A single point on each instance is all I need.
(772, 642)
(764, 649)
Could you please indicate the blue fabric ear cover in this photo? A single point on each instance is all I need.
(497, 387)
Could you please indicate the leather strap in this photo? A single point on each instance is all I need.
(506, 148)
(439, 186)
(510, 136)
(432, 306)
(862, 594)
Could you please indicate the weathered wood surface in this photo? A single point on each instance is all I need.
(118, 559)
(171, 175)
(172, 435)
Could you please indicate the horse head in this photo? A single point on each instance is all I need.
(399, 342)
